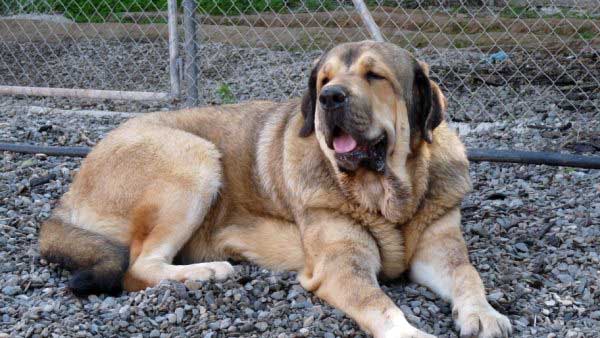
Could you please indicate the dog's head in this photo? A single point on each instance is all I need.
(367, 100)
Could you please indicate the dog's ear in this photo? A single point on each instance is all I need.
(309, 102)
(428, 103)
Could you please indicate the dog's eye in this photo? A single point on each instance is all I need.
(324, 82)
(374, 76)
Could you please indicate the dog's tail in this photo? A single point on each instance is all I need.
(98, 263)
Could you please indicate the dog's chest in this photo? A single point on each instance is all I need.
(387, 235)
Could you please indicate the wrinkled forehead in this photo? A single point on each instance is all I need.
(370, 55)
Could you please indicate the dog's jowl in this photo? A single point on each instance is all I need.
(360, 178)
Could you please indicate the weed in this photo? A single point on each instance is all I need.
(458, 43)
(458, 10)
(224, 93)
(587, 35)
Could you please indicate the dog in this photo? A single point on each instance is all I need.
(359, 179)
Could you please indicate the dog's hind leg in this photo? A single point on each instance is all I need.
(168, 216)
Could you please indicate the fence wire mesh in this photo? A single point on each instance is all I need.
(532, 61)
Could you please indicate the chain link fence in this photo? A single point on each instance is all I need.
(533, 62)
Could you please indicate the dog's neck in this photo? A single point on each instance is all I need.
(395, 194)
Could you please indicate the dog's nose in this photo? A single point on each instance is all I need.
(333, 97)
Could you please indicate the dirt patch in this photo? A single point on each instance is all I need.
(290, 38)
(21, 30)
(399, 18)
(414, 20)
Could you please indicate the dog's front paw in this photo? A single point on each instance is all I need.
(405, 331)
(481, 321)
(395, 325)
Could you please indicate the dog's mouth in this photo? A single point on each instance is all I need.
(351, 154)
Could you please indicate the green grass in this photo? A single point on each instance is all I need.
(83, 10)
(145, 21)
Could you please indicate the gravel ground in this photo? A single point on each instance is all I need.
(533, 231)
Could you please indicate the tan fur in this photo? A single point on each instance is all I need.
(238, 182)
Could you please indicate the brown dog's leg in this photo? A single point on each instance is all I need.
(441, 263)
(171, 209)
(341, 265)
(169, 227)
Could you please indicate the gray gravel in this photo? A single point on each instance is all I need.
(532, 231)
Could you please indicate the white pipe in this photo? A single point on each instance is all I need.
(173, 49)
(37, 110)
(85, 93)
(367, 19)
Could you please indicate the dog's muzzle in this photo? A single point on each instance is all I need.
(346, 124)
(350, 155)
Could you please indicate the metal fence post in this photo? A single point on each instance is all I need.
(191, 51)
(173, 50)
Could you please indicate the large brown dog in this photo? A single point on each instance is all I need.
(360, 179)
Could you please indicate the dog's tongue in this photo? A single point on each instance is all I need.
(344, 143)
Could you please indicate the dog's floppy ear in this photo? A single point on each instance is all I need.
(428, 103)
(309, 102)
